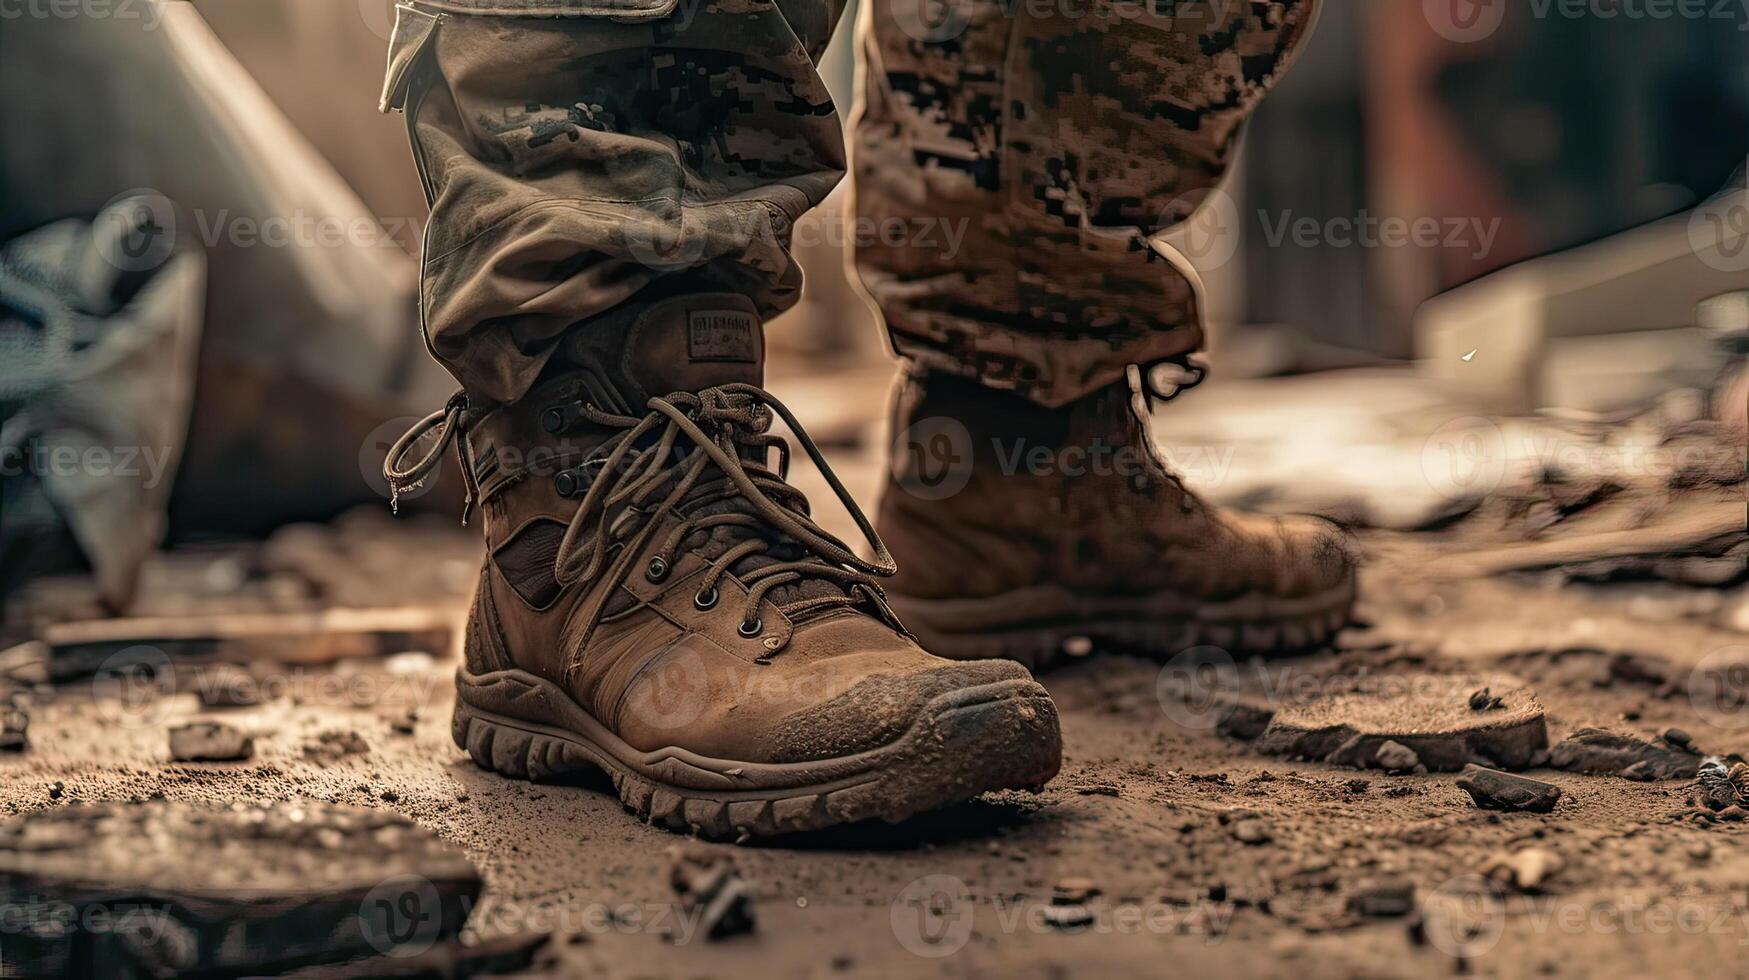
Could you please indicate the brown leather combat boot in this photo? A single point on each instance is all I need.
(657, 603)
(1023, 531)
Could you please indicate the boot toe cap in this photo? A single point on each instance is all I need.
(878, 710)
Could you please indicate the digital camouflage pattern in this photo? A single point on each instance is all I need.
(1062, 134)
(576, 151)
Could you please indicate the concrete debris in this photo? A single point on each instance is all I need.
(709, 885)
(1594, 750)
(1524, 870)
(209, 741)
(232, 890)
(1495, 790)
(1425, 715)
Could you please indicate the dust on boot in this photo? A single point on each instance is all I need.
(657, 603)
(1019, 528)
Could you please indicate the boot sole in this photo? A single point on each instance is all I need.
(1044, 625)
(967, 742)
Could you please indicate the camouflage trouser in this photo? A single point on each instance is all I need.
(1013, 158)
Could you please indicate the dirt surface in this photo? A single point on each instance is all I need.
(1166, 845)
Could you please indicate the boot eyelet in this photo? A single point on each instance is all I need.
(553, 420)
(706, 600)
(752, 628)
(658, 569)
(567, 484)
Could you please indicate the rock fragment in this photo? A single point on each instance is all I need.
(1251, 831)
(1396, 757)
(710, 887)
(1713, 786)
(1067, 916)
(1427, 714)
(1073, 891)
(1482, 699)
(1595, 750)
(14, 726)
(209, 741)
(237, 890)
(1524, 870)
(1495, 790)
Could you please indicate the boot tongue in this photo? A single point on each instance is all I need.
(689, 343)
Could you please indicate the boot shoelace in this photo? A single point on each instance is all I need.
(683, 457)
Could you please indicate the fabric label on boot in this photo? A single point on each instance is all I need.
(723, 336)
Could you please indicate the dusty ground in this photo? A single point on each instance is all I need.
(1146, 807)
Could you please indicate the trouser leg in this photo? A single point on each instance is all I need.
(579, 162)
(1052, 140)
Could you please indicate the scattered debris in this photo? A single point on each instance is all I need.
(1425, 714)
(209, 741)
(1383, 898)
(220, 882)
(708, 883)
(1524, 870)
(57, 789)
(1594, 750)
(1496, 790)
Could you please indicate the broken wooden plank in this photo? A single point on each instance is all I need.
(319, 637)
(1710, 527)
